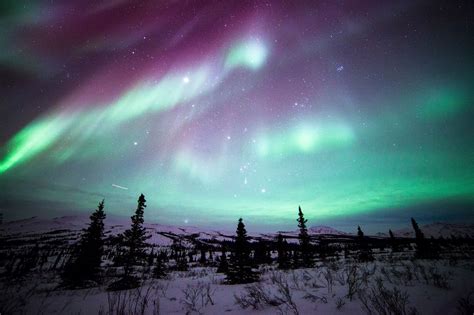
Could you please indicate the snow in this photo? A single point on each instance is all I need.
(432, 286)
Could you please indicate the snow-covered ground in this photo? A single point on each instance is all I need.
(338, 284)
(325, 289)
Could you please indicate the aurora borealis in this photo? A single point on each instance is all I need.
(216, 110)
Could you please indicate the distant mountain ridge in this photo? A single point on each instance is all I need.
(116, 225)
(440, 229)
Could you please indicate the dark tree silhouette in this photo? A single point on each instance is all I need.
(202, 258)
(393, 241)
(133, 242)
(365, 254)
(424, 249)
(182, 261)
(240, 267)
(160, 270)
(418, 233)
(262, 253)
(282, 248)
(84, 265)
(223, 264)
(303, 237)
(135, 237)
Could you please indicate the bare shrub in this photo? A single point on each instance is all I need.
(313, 297)
(284, 296)
(466, 304)
(439, 279)
(353, 281)
(129, 302)
(277, 294)
(328, 276)
(340, 302)
(162, 288)
(296, 280)
(15, 297)
(255, 296)
(431, 275)
(366, 273)
(383, 301)
(197, 297)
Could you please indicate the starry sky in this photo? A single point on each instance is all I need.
(359, 111)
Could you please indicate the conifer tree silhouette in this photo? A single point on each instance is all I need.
(365, 254)
(135, 237)
(418, 233)
(303, 238)
(240, 267)
(423, 247)
(84, 264)
(393, 241)
(223, 264)
(160, 267)
(282, 248)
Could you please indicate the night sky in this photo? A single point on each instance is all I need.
(359, 111)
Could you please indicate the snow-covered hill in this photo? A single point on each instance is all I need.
(162, 234)
(440, 229)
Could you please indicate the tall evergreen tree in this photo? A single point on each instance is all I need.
(418, 233)
(135, 237)
(365, 254)
(423, 247)
(303, 238)
(393, 241)
(282, 248)
(84, 264)
(240, 267)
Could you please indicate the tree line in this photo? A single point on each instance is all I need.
(83, 268)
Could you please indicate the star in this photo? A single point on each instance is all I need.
(186, 80)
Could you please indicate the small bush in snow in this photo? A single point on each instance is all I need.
(340, 302)
(466, 304)
(197, 297)
(130, 302)
(383, 301)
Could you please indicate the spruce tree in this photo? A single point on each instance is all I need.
(303, 238)
(240, 267)
(423, 246)
(223, 264)
(365, 254)
(418, 233)
(84, 264)
(393, 241)
(261, 253)
(135, 237)
(159, 272)
(282, 248)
